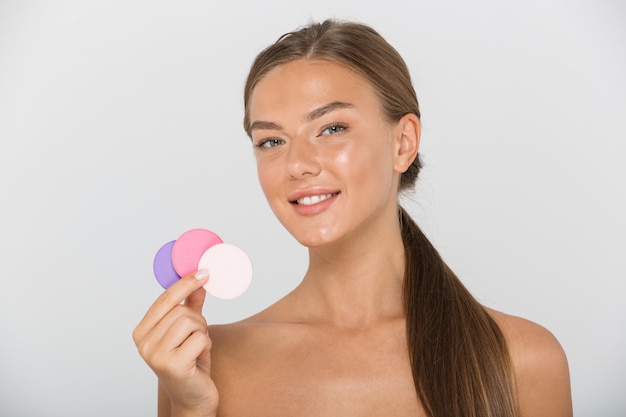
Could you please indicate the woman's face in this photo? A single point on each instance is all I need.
(326, 155)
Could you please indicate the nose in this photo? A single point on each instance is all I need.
(302, 159)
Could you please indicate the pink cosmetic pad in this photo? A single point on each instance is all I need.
(230, 270)
(162, 266)
(189, 247)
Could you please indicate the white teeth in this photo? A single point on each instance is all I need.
(314, 199)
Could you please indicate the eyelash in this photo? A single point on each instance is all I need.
(335, 126)
(262, 144)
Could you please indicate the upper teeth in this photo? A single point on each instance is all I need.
(314, 199)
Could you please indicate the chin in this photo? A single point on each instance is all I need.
(316, 239)
(311, 241)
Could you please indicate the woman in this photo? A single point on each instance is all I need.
(379, 324)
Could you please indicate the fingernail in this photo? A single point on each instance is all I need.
(201, 274)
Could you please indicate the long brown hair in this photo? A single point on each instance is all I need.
(459, 358)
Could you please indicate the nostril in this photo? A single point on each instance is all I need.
(302, 160)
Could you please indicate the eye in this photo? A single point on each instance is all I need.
(270, 143)
(333, 129)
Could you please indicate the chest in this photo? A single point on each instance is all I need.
(320, 374)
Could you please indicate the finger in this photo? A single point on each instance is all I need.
(196, 347)
(195, 301)
(171, 331)
(204, 358)
(169, 299)
(179, 331)
(178, 350)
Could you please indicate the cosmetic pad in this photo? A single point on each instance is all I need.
(162, 266)
(230, 270)
(189, 247)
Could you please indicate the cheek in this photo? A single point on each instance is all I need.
(350, 161)
(268, 178)
(364, 164)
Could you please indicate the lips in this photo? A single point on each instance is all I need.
(314, 199)
(311, 202)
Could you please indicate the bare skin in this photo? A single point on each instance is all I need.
(322, 370)
(278, 363)
(540, 365)
(336, 345)
(173, 340)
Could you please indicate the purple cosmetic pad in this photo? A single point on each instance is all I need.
(189, 247)
(162, 266)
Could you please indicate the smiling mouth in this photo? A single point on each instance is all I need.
(314, 199)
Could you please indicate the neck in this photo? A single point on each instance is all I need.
(356, 283)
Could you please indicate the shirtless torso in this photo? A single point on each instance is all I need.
(268, 365)
(265, 367)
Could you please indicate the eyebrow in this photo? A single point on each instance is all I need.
(327, 108)
(310, 116)
(262, 125)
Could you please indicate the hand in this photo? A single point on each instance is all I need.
(173, 340)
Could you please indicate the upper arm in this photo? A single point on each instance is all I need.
(541, 369)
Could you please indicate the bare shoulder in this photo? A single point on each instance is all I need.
(527, 339)
(233, 342)
(244, 345)
(540, 366)
(254, 329)
(249, 360)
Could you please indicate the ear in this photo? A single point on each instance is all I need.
(407, 141)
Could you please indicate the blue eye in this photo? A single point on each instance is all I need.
(333, 129)
(270, 143)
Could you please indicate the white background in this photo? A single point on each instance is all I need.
(120, 128)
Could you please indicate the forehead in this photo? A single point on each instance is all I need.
(303, 84)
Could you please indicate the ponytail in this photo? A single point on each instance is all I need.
(459, 358)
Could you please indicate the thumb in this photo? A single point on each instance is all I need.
(195, 300)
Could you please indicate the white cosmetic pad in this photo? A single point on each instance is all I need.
(230, 270)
